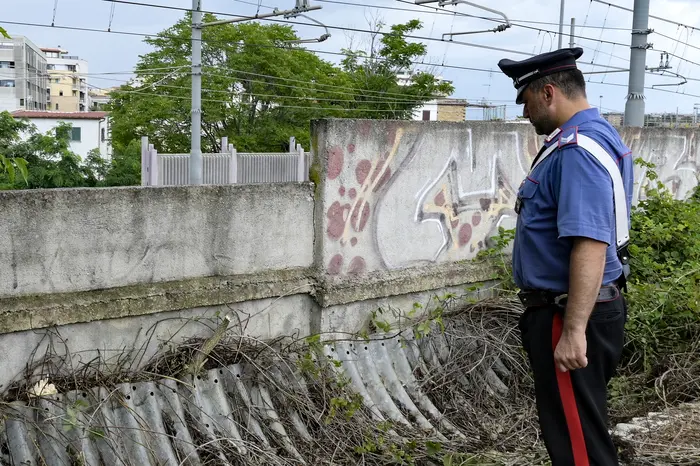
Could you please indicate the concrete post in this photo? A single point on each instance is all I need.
(144, 160)
(301, 165)
(233, 166)
(292, 144)
(634, 109)
(224, 145)
(196, 130)
(153, 174)
(561, 23)
(572, 35)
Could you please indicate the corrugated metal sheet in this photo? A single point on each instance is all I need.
(226, 415)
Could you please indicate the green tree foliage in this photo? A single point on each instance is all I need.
(373, 75)
(259, 88)
(45, 160)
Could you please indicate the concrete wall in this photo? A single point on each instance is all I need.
(413, 194)
(59, 241)
(397, 212)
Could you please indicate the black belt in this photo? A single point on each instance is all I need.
(536, 298)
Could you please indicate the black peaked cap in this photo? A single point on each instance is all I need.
(526, 71)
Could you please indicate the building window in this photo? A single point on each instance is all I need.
(75, 134)
(21, 102)
(7, 64)
(56, 106)
(7, 83)
(426, 115)
(60, 93)
(102, 135)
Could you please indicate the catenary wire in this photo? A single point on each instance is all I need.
(365, 31)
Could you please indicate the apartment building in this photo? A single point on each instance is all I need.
(68, 87)
(23, 78)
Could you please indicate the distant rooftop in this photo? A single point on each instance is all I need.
(59, 115)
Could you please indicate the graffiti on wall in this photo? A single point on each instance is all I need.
(675, 156)
(418, 198)
(400, 195)
(347, 217)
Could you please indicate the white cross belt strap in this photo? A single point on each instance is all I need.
(621, 227)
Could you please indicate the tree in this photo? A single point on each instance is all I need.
(259, 88)
(374, 73)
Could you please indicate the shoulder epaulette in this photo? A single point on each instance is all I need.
(568, 136)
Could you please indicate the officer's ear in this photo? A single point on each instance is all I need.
(548, 93)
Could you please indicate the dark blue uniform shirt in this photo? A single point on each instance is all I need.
(569, 194)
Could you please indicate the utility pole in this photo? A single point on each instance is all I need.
(196, 143)
(302, 6)
(634, 108)
(561, 23)
(572, 35)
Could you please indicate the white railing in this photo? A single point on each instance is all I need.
(227, 167)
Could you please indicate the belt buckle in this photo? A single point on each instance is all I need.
(560, 298)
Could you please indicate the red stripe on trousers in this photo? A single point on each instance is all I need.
(566, 391)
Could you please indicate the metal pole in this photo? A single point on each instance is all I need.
(572, 35)
(634, 108)
(196, 148)
(561, 23)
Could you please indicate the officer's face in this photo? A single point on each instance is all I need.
(537, 108)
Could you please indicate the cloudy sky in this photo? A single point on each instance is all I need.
(535, 24)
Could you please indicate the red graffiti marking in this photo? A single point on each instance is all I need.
(352, 193)
(440, 199)
(362, 170)
(476, 219)
(335, 162)
(353, 241)
(391, 136)
(465, 234)
(341, 191)
(335, 264)
(454, 223)
(365, 128)
(358, 221)
(336, 219)
(351, 148)
(357, 266)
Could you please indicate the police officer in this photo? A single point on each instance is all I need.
(570, 256)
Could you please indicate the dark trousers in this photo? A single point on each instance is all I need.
(572, 406)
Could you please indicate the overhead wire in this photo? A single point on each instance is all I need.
(279, 96)
(55, 8)
(441, 11)
(111, 16)
(310, 24)
(350, 29)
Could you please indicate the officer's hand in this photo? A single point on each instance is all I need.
(570, 353)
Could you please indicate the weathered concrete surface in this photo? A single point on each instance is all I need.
(398, 195)
(675, 152)
(58, 241)
(140, 336)
(332, 291)
(40, 311)
(413, 194)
